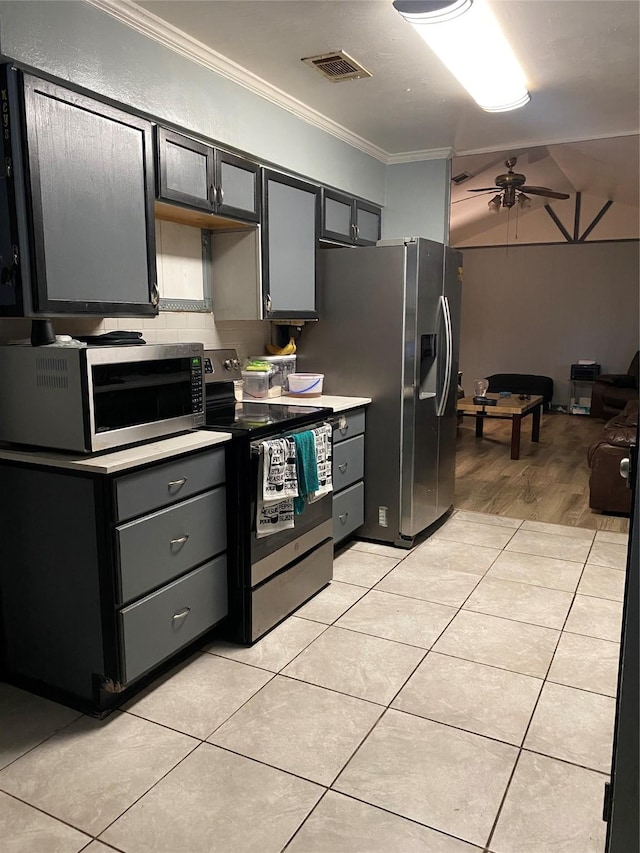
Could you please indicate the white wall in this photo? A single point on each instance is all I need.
(538, 309)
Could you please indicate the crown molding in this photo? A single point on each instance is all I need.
(155, 28)
(415, 156)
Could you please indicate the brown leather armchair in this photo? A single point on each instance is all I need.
(608, 491)
(612, 391)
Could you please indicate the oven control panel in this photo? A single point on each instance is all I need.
(220, 365)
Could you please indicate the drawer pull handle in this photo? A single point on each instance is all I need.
(343, 426)
(176, 484)
(343, 517)
(182, 614)
(343, 466)
(180, 540)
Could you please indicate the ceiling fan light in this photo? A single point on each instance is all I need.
(494, 204)
(524, 201)
(494, 78)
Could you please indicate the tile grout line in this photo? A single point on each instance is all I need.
(521, 749)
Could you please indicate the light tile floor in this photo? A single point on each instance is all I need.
(457, 698)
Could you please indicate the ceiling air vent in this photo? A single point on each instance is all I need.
(337, 66)
(461, 178)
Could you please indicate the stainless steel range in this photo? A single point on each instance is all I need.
(271, 576)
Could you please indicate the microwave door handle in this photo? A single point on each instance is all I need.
(446, 385)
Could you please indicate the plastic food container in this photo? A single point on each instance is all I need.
(283, 366)
(305, 384)
(260, 383)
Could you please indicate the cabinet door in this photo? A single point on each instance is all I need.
(237, 186)
(92, 192)
(337, 217)
(290, 243)
(185, 170)
(368, 220)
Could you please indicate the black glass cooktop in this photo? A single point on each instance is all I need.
(262, 418)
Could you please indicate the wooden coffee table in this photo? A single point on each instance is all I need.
(507, 408)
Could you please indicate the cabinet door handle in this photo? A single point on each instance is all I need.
(220, 195)
(343, 517)
(343, 466)
(176, 484)
(181, 614)
(180, 540)
(267, 303)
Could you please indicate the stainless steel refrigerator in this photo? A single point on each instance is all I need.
(389, 329)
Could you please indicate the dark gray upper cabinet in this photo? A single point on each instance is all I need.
(79, 194)
(289, 247)
(200, 176)
(349, 220)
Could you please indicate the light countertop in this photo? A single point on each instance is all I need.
(119, 460)
(338, 404)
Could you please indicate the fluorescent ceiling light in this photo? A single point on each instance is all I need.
(466, 37)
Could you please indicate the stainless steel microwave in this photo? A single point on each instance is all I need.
(88, 399)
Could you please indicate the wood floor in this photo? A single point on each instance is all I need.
(550, 481)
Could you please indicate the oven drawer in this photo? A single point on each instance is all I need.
(348, 462)
(347, 425)
(153, 550)
(144, 491)
(160, 624)
(285, 592)
(348, 511)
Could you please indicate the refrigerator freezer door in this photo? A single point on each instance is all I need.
(447, 423)
(422, 368)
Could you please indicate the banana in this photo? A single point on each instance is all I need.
(289, 349)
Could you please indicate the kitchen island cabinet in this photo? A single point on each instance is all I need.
(76, 206)
(115, 564)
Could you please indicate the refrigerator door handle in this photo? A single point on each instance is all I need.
(446, 385)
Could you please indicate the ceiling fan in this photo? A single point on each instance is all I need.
(512, 187)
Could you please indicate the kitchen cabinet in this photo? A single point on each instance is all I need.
(290, 235)
(201, 176)
(77, 233)
(348, 220)
(348, 473)
(109, 575)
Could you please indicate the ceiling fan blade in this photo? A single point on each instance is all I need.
(486, 190)
(457, 201)
(545, 191)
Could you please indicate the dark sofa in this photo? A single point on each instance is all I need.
(608, 491)
(612, 391)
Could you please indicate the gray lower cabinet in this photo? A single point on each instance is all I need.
(348, 473)
(107, 576)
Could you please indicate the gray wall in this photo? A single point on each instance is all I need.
(538, 309)
(417, 200)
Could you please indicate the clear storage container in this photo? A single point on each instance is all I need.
(260, 382)
(282, 365)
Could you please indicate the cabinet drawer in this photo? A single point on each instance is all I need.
(163, 622)
(348, 511)
(162, 485)
(348, 425)
(159, 547)
(348, 462)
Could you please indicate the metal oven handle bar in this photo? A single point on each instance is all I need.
(255, 447)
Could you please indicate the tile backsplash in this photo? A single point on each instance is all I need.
(248, 338)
